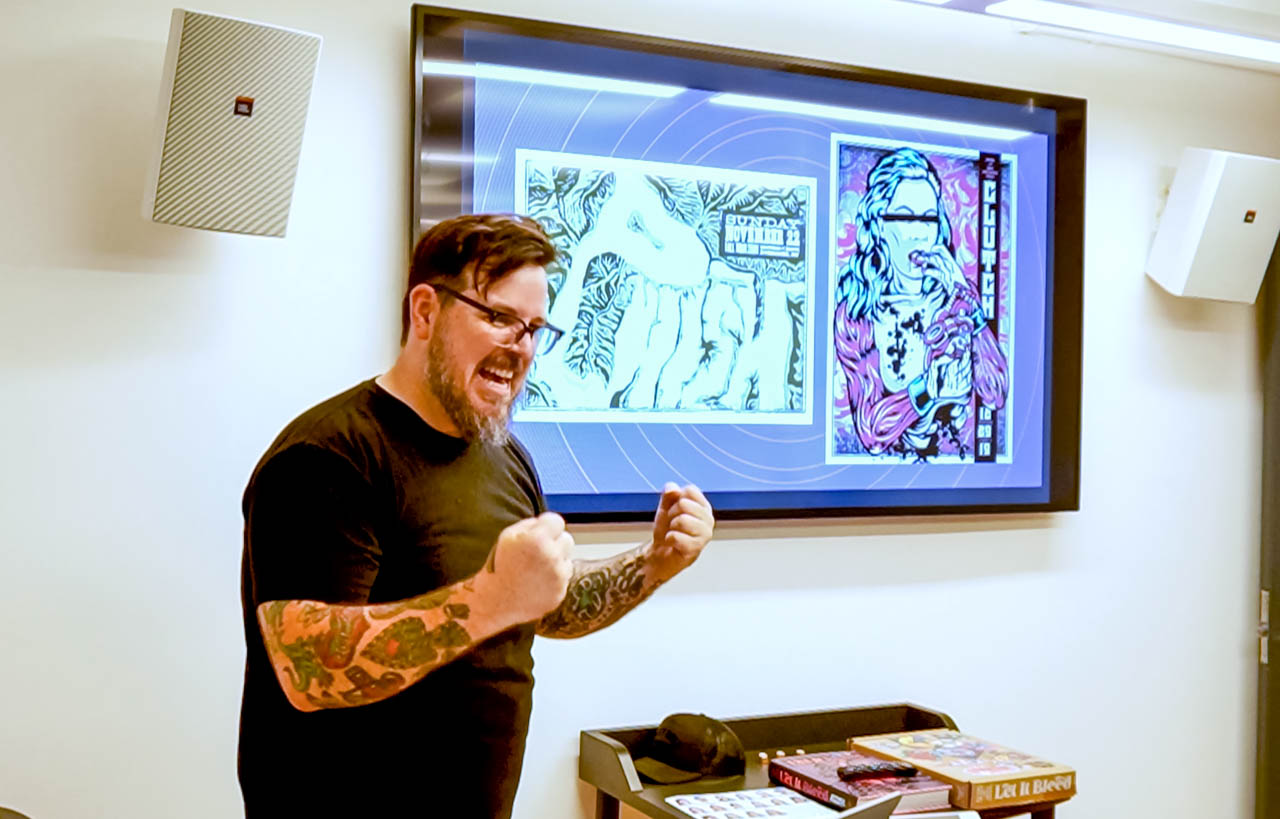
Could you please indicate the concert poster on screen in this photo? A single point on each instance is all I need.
(922, 301)
(686, 292)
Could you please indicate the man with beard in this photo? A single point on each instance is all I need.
(399, 558)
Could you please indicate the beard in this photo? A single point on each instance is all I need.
(472, 424)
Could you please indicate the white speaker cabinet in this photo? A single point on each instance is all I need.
(1219, 227)
(233, 106)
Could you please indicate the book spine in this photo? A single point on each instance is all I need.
(810, 787)
(1022, 790)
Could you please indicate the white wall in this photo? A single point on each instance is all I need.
(145, 368)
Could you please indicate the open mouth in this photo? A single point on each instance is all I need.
(498, 376)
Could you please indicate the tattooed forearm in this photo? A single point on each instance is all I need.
(407, 644)
(377, 650)
(365, 689)
(600, 592)
(423, 602)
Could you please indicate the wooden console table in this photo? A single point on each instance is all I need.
(604, 757)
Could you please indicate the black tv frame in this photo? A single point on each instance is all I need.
(437, 124)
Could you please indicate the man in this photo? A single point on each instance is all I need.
(399, 558)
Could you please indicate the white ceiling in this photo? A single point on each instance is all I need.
(1265, 6)
(1258, 18)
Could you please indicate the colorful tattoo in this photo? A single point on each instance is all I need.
(404, 644)
(407, 643)
(332, 636)
(423, 602)
(306, 667)
(274, 617)
(313, 613)
(365, 689)
(336, 648)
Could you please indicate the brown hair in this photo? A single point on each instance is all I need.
(475, 249)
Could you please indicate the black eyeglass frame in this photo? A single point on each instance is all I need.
(501, 318)
(910, 217)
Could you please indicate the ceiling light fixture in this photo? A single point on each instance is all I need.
(1132, 27)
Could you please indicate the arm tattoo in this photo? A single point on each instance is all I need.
(365, 689)
(310, 641)
(423, 602)
(600, 592)
(406, 643)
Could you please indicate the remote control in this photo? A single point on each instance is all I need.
(875, 770)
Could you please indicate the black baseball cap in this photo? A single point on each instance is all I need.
(685, 747)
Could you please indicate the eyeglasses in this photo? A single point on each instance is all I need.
(511, 328)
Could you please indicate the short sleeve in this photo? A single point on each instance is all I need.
(534, 488)
(311, 529)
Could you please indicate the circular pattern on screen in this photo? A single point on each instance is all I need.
(687, 130)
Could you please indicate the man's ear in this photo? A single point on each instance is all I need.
(424, 307)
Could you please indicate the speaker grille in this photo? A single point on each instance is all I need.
(221, 170)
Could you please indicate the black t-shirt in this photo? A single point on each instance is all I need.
(361, 501)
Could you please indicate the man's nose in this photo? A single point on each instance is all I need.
(525, 343)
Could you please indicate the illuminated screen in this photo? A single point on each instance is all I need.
(810, 289)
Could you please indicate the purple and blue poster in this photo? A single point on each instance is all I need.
(922, 302)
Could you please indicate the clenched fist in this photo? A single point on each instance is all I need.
(528, 571)
(681, 528)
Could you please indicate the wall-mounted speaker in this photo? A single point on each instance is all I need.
(233, 107)
(1219, 228)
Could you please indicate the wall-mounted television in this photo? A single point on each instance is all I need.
(812, 289)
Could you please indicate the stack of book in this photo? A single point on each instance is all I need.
(982, 774)
(936, 769)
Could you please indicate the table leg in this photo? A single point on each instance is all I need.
(1043, 813)
(607, 806)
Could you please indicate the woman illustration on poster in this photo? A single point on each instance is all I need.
(910, 337)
